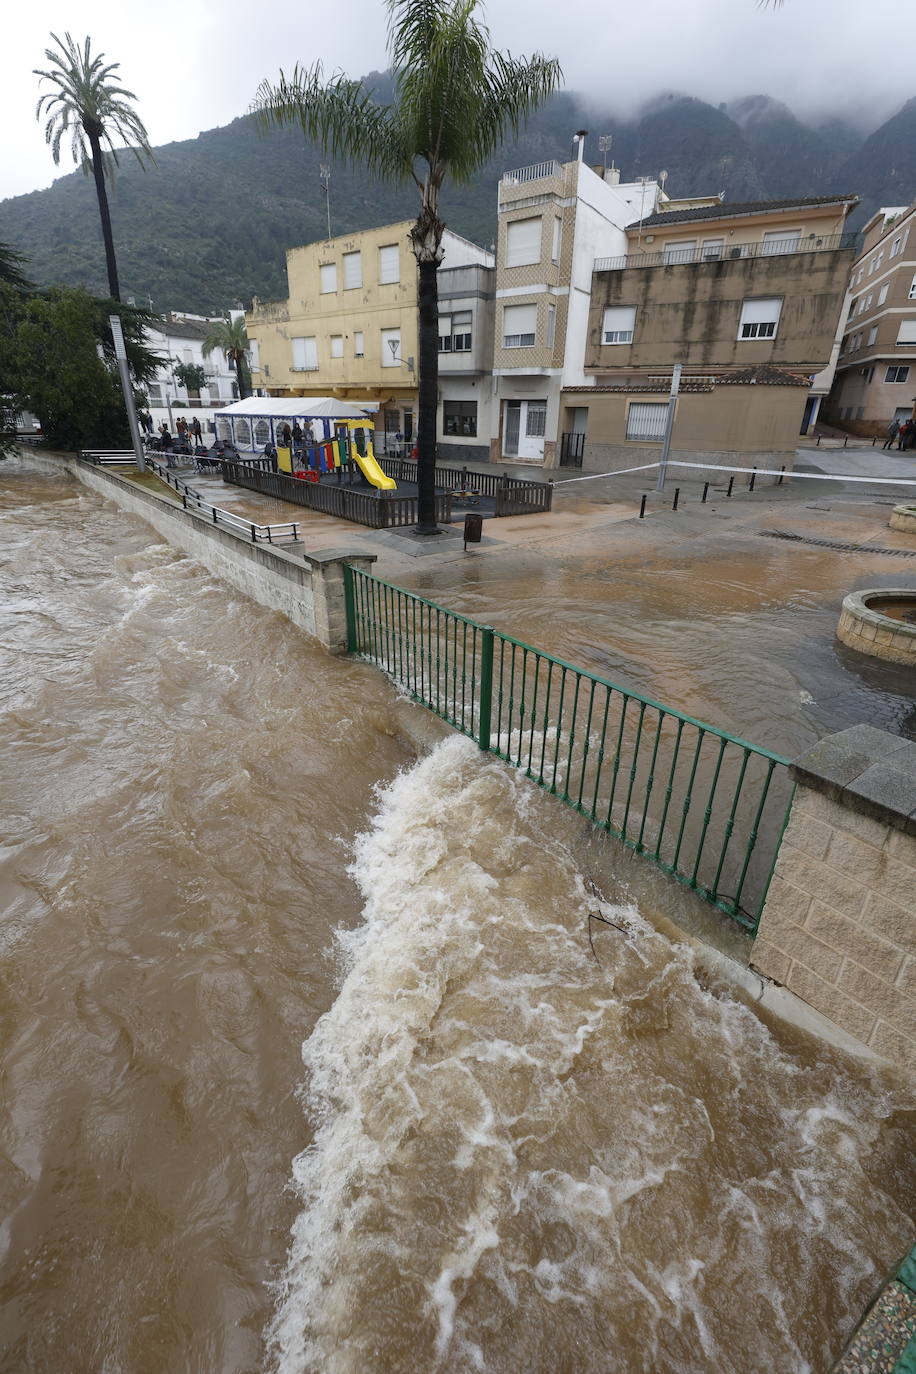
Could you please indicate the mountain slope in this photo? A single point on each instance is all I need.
(210, 225)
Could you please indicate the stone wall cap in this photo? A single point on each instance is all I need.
(866, 770)
(340, 556)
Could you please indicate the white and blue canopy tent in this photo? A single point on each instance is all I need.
(256, 421)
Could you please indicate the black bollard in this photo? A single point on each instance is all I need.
(818, 444)
(731, 483)
(642, 507)
(705, 493)
(750, 485)
(782, 473)
(677, 492)
(845, 440)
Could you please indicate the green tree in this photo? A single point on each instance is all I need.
(455, 99)
(232, 337)
(87, 107)
(11, 269)
(57, 360)
(189, 375)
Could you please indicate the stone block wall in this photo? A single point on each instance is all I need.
(839, 925)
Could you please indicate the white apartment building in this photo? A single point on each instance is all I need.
(466, 318)
(554, 221)
(180, 340)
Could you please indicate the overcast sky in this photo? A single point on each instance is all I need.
(195, 64)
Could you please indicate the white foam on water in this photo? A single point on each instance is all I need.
(519, 1149)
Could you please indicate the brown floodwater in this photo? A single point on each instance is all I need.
(509, 1150)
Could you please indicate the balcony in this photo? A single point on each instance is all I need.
(773, 248)
(536, 172)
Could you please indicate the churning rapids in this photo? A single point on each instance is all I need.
(510, 1151)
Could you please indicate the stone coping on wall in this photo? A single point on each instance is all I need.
(867, 771)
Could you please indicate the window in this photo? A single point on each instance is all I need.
(856, 341)
(906, 334)
(679, 252)
(391, 357)
(523, 242)
(912, 291)
(617, 327)
(879, 259)
(461, 331)
(872, 335)
(359, 344)
(254, 354)
(895, 247)
(551, 325)
(389, 263)
(455, 332)
(328, 277)
(853, 308)
(353, 270)
(557, 235)
(759, 319)
(896, 374)
(536, 424)
(519, 325)
(712, 249)
(305, 355)
(868, 300)
(869, 374)
(859, 277)
(336, 345)
(646, 421)
(777, 241)
(460, 417)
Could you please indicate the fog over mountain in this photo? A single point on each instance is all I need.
(209, 226)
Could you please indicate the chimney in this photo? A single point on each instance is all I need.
(579, 144)
(612, 175)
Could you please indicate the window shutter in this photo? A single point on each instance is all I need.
(618, 324)
(311, 352)
(298, 352)
(328, 275)
(353, 270)
(523, 242)
(519, 325)
(389, 263)
(907, 332)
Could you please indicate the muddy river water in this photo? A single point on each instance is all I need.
(506, 1150)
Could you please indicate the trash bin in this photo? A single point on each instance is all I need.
(473, 526)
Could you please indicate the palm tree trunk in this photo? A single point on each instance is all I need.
(98, 172)
(241, 370)
(428, 301)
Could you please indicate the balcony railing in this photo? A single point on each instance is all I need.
(773, 248)
(536, 172)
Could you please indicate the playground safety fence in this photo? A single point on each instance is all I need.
(705, 806)
(513, 495)
(381, 512)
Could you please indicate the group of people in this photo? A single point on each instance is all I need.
(904, 434)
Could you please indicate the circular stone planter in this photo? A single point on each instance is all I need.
(881, 622)
(904, 518)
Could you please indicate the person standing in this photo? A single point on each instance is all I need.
(196, 432)
(893, 430)
(903, 434)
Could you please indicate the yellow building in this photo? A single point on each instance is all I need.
(349, 326)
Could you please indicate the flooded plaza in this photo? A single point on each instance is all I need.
(509, 1148)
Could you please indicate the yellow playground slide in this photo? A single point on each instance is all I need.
(367, 462)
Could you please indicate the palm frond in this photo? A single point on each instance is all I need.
(85, 99)
(338, 114)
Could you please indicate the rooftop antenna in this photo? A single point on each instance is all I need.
(642, 182)
(324, 172)
(662, 178)
(604, 143)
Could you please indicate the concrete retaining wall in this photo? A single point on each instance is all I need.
(307, 588)
(839, 925)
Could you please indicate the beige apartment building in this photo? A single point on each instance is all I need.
(349, 325)
(876, 372)
(742, 296)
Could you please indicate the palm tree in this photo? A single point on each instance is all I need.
(232, 337)
(90, 109)
(455, 100)
(11, 265)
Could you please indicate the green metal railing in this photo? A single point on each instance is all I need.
(706, 807)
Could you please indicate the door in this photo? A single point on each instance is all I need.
(511, 428)
(776, 241)
(524, 425)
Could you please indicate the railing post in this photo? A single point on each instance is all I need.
(350, 608)
(486, 687)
